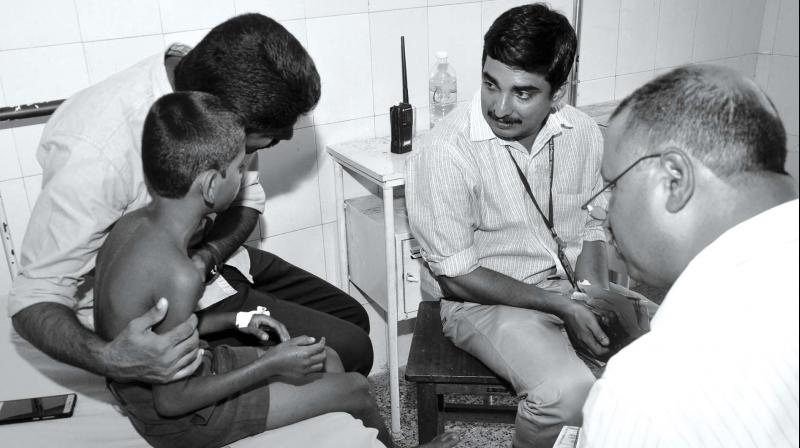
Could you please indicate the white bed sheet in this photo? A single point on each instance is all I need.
(27, 372)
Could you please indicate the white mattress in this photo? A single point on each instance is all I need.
(27, 372)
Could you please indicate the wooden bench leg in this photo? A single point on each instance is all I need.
(427, 412)
(439, 417)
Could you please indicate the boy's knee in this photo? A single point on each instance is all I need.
(358, 392)
(359, 384)
(333, 363)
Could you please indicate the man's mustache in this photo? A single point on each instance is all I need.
(504, 120)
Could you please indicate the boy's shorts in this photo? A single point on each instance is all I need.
(227, 421)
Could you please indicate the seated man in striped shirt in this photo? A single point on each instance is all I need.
(494, 197)
(706, 208)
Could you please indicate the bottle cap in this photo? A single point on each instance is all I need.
(441, 54)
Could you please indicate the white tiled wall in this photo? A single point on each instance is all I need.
(625, 43)
(777, 69)
(52, 48)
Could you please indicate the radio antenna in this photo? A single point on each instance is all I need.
(403, 61)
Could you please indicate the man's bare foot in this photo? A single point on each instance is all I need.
(446, 440)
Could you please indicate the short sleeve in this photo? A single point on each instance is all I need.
(251, 193)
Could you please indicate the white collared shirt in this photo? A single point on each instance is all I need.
(468, 207)
(719, 367)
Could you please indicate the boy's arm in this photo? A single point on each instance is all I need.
(296, 357)
(208, 323)
(256, 324)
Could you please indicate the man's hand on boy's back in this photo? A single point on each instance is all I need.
(295, 358)
(138, 353)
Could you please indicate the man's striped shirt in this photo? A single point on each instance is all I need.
(468, 207)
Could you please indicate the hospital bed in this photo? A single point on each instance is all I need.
(97, 422)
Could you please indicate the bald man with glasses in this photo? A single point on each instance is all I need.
(702, 204)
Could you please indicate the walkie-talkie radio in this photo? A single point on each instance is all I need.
(401, 116)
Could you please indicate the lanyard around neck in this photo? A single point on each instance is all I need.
(548, 220)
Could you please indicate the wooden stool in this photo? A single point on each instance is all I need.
(439, 367)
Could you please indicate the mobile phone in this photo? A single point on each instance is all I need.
(39, 408)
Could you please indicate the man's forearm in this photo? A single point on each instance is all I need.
(230, 230)
(489, 287)
(592, 264)
(54, 329)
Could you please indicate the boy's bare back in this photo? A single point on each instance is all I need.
(137, 264)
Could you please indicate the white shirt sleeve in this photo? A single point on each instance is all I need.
(251, 193)
(82, 196)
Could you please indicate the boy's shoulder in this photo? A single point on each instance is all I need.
(169, 267)
(183, 274)
(132, 240)
(144, 250)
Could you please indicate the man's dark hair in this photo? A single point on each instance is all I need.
(533, 38)
(719, 117)
(256, 66)
(185, 134)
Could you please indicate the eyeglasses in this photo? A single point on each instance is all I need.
(600, 213)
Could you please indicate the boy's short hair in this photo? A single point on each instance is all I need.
(185, 134)
(533, 38)
(257, 67)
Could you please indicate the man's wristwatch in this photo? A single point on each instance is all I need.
(215, 266)
(212, 272)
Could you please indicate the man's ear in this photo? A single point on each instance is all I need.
(209, 181)
(679, 178)
(559, 94)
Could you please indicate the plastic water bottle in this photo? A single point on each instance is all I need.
(443, 89)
